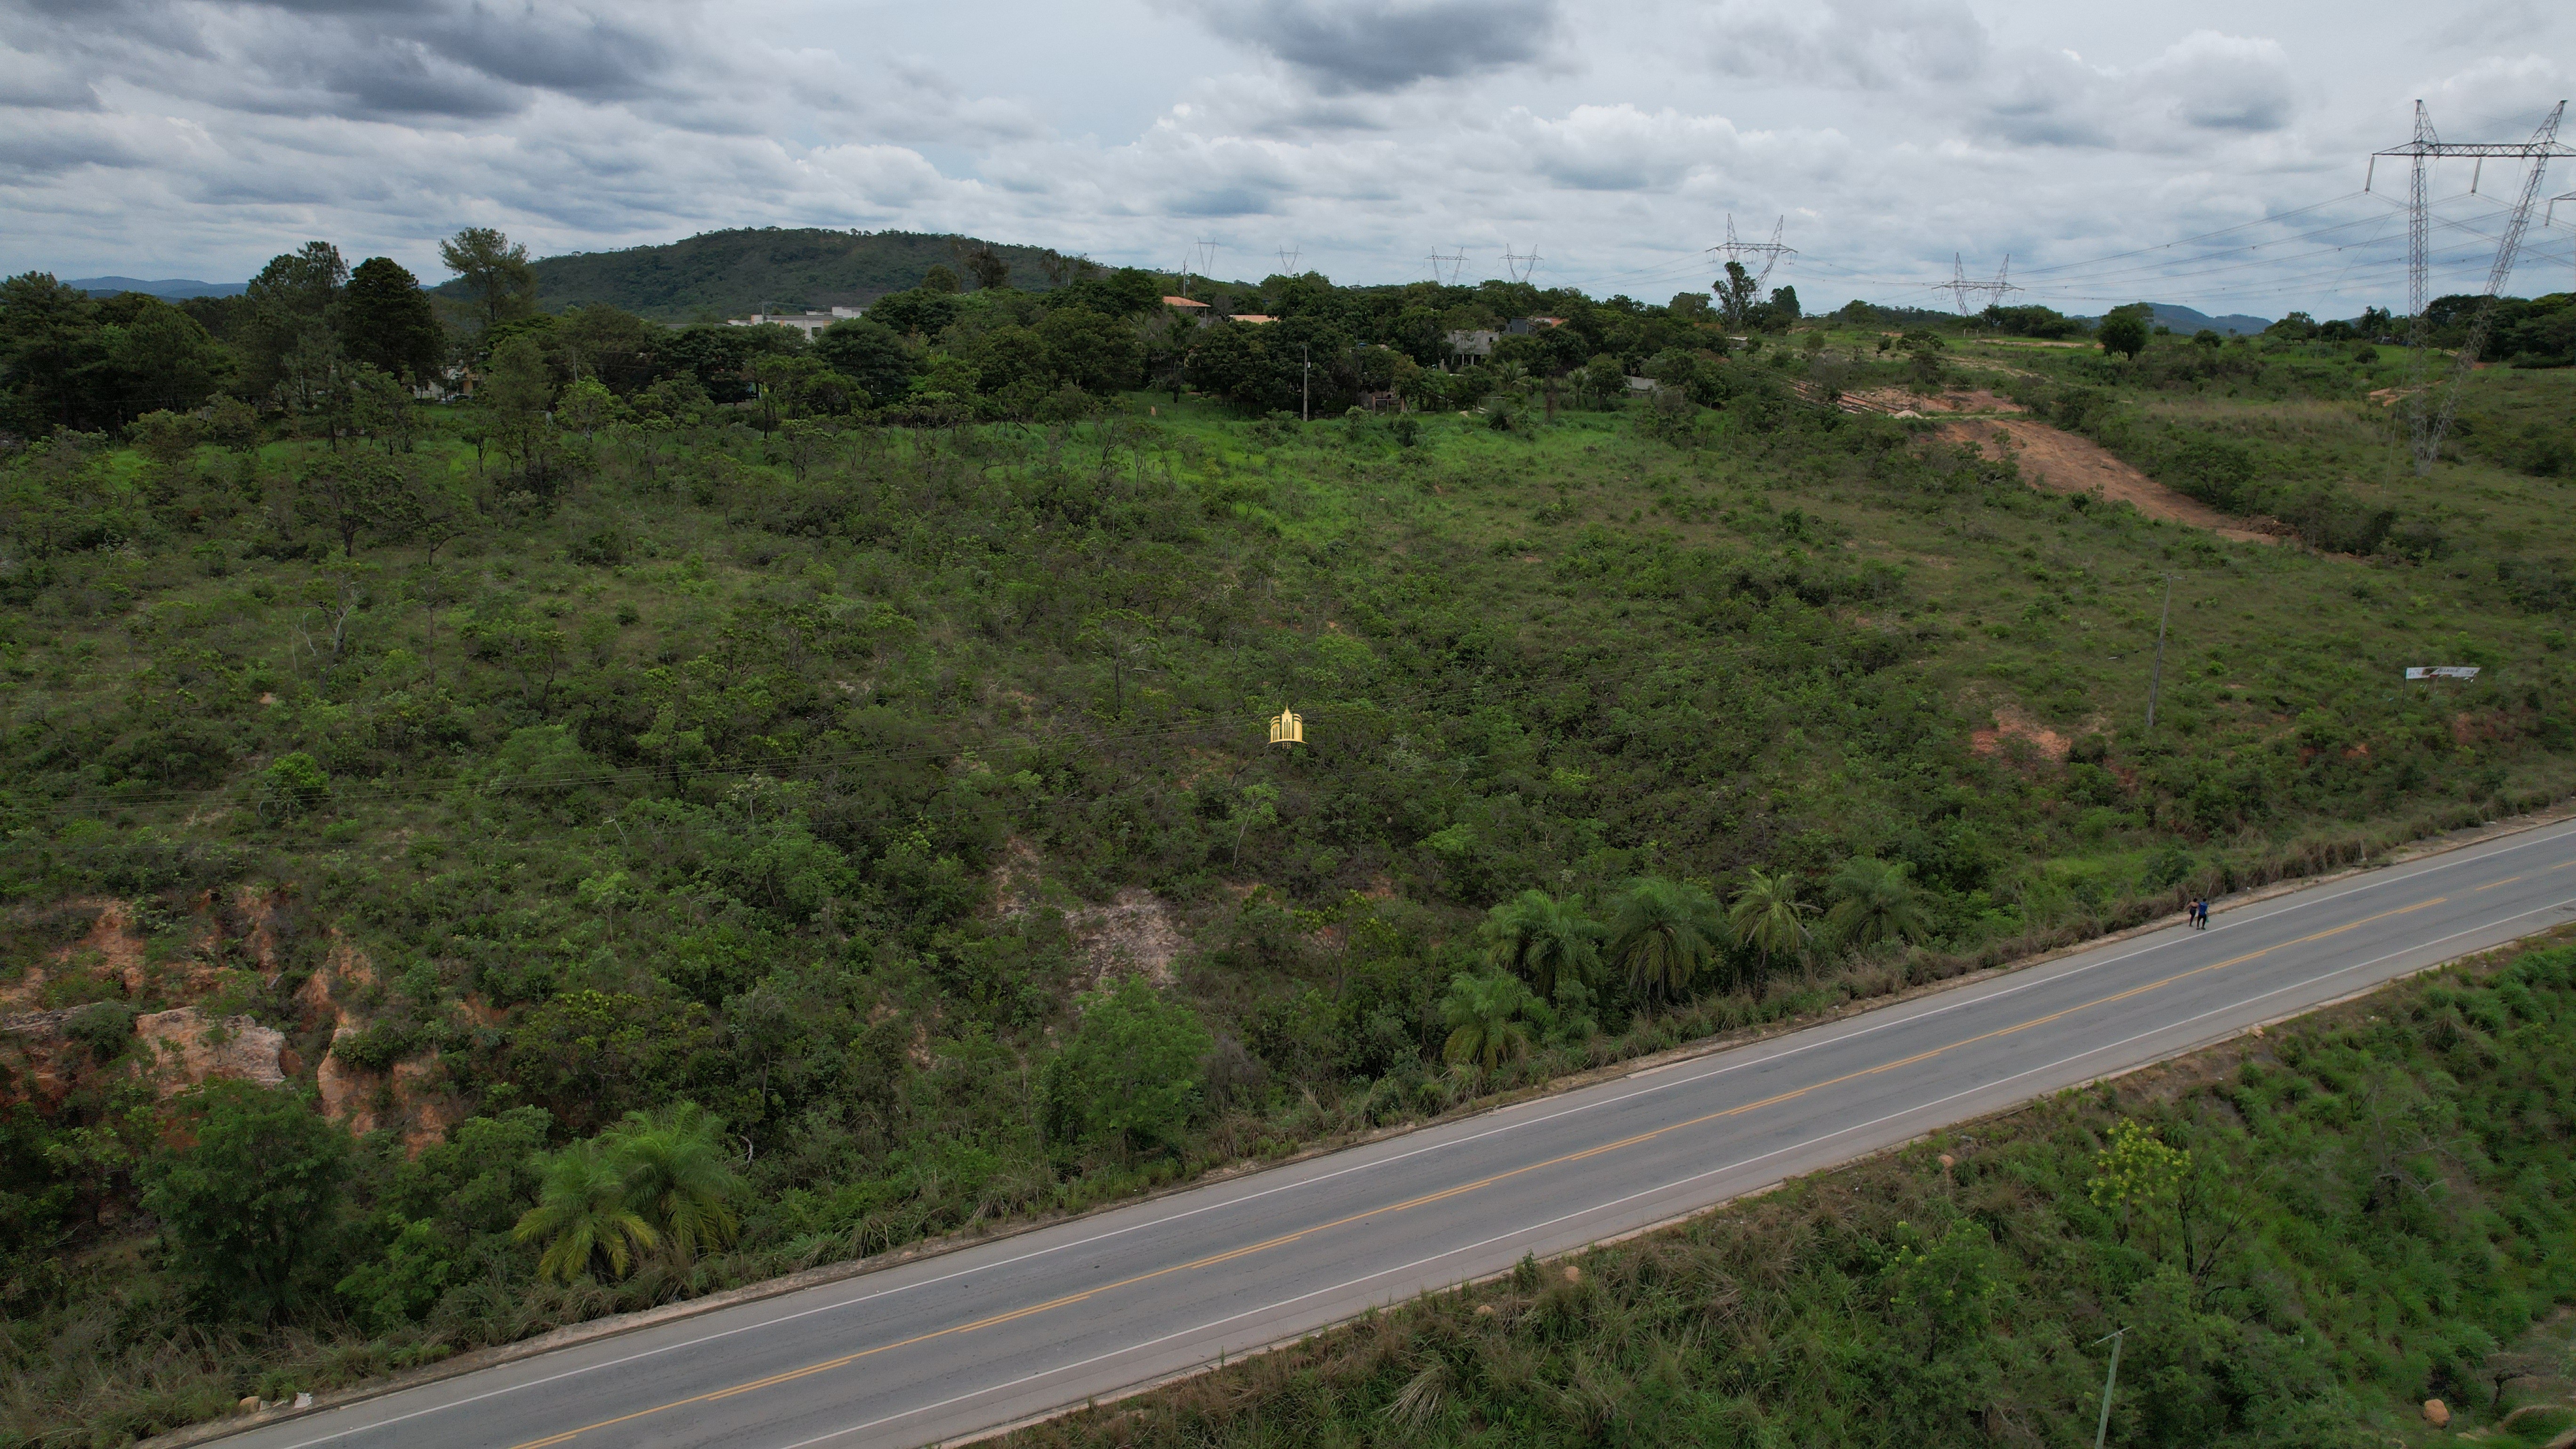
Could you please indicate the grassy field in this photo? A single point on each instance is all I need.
(815, 777)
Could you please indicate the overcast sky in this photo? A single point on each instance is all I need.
(195, 138)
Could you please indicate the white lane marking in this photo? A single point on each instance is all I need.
(1597, 1208)
(1828, 1036)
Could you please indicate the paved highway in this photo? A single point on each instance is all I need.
(949, 1346)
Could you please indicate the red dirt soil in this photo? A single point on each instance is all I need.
(2064, 463)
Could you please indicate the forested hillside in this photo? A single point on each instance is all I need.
(722, 274)
(705, 804)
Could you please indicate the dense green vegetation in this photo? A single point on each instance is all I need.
(710, 805)
(2303, 1237)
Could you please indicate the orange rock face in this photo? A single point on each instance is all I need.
(181, 1048)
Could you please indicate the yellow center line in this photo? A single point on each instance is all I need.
(1444, 1194)
(2491, 885)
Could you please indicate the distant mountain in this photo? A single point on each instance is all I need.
(2187, 321)
(734, 273)
(173, 289)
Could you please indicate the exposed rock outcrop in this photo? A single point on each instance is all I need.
(182, 1048)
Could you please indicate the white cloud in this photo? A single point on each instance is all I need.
(1384, 45)
(197, 137)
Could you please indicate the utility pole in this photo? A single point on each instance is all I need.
(2425, 423)
(1305, 378)
(2156, 681)
(2102, 1426)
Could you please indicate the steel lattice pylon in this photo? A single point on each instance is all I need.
(2426, 422)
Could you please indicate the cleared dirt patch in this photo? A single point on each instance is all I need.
(2064, 463)
(2011, 724)
(1133, 933)
(1897, 402)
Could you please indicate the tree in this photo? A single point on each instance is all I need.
(290, 341)
(989, 267)
(381, 407)
(159, 357)
(248, 1204)
(350, 495)
(1602, 382)
(294, 784)
(387, 322)
(1095, 353)
(621, 350)
(1768, 916)
(1874, 902)
(677, 1176)
(1483, 1014)
(47, 333)
(585, 1215)
(495, 269)
(1664, 935)
(519, 388)
(2123, 332)
(1738, 293)
(1128, 640)
(592, 1055)
(1131, 1072)
(587, 406)
(1543, 941)
(870, 354)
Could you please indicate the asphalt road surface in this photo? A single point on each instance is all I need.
(962, 1343)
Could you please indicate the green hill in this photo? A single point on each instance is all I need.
(859, 789)
(730, 273)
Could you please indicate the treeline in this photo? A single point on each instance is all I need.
(313, 341)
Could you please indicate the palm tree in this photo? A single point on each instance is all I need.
(583, 1213)
(1542, 941)
(678, 1177)
(1769, 917)
(1876, 903)
(1664, 935)
(1483, 1012)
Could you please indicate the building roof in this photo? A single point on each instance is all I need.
(1254, 317)
(1183, 302)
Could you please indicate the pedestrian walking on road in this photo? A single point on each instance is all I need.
(2200, 913)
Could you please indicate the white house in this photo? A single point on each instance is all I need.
(808, 323)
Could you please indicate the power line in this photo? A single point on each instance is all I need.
(1960, 288)
(2425, 425)
(1769, 252)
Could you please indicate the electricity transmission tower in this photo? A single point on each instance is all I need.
(1520, 267)
(1452, 260)
(1288, 256)
(2553, 211)
(1961, 289)
(2426, 423)
(1769, 252)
